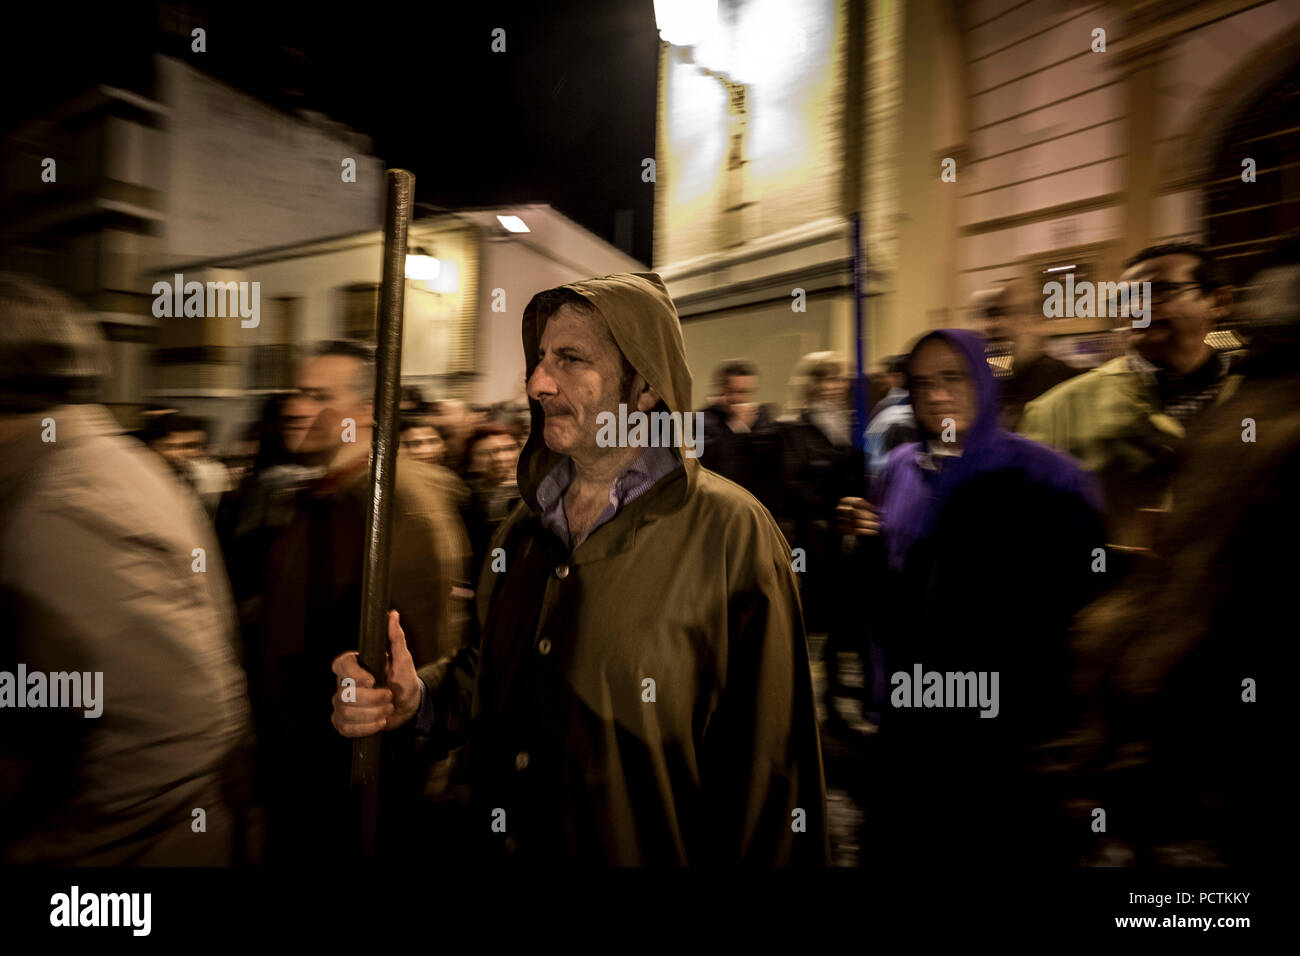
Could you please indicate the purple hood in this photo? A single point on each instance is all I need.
(911, 497)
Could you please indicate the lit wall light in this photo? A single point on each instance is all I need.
(422, 268)
(513, 224)
(448, 280)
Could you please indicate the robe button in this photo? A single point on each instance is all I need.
(521, 760)
(562, 572)
(544, 646)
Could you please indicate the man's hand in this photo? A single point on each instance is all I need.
(854, 516)
(368, 709)
(744, 415)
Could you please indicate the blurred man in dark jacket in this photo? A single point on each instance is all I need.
(819, 466)
(740, 436)
(109, 572)
(1011, 320)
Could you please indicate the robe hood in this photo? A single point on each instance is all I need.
(645, 325)
(971, 348)
(912, 496)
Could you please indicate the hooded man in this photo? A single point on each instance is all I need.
(987, 551)
(641, 693)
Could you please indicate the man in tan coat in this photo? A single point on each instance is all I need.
(109, 572)
(641, 691)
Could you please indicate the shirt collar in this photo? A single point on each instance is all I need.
(633, 481)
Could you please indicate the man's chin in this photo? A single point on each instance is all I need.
(1151, 343)
(558, 438)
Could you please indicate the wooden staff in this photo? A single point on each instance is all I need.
(373, 641)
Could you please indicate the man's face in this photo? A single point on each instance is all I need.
(576, 378)
(942, 388)
(180, 447)
(999, 325)
(495, 457)
(423, 443)
(739, 390)
(326, 394)
(1181, 313)
(1011, 313)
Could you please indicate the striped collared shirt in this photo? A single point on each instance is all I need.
(633, 481)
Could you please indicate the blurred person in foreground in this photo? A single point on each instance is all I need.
(99, 574)
(641, 693)
(1176, 747)
(1125, 420)
(981, 545)
(740, 436)
(312, 594)
(1011, 321)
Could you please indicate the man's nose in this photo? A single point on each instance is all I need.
(540, 383)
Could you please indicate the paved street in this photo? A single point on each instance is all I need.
(842, 753)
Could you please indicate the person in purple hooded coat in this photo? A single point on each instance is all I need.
(981, 548)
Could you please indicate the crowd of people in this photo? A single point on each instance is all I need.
(608, 646)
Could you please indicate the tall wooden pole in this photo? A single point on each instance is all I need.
(373, 641)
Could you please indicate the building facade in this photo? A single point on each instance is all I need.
(461, 332)
(116, 183)
(1072, 135)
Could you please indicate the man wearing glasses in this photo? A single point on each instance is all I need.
(1125, 419)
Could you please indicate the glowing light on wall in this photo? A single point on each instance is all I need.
(422, 268)
(686, 22)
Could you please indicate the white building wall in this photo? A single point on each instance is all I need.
(242, 175)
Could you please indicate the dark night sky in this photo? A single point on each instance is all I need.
(564, 116)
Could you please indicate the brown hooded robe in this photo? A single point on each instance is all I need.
(574, 753)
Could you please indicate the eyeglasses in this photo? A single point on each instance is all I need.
(1161, 290)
